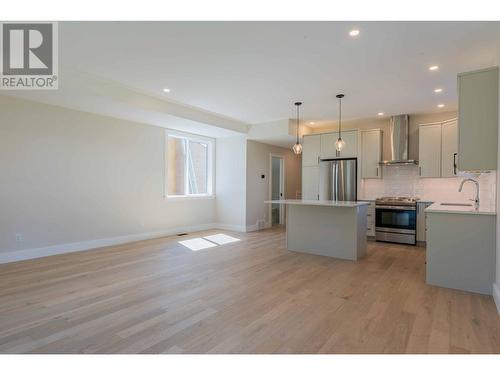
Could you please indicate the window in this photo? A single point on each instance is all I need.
(189, 165)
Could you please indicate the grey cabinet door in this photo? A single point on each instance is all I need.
(310, 183)
(429, 150)
(478, 120)
(449, 149)
(421, 221)
(371, 153)
(310, 150)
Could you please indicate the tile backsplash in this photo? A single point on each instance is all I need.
(403, 180)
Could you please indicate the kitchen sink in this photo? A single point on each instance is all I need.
(457, 204)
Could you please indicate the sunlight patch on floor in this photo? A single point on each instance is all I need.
(196, 244)
(221, 239)
(207, 242)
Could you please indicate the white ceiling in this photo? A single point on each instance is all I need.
(253, 71)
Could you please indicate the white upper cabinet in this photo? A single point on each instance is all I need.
(328, 146)
(429, 150)
(350, 150)
(437, 151)
(449, 149)
(371, 153)
(351, 144)
(310, 183)
(478, 120)
(310, 150)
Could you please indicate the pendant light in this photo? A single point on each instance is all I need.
(340, 143)
(297, 147)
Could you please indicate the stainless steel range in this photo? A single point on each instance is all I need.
(396, 219)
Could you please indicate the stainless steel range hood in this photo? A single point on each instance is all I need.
(398, 129)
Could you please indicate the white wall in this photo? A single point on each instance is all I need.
(281, 133)
(230, 182)
(258, 163)
(69, 176)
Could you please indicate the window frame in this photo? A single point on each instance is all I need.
(210, 165)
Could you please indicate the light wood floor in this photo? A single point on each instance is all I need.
(248, 297)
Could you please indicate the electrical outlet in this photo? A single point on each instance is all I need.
(19, 237)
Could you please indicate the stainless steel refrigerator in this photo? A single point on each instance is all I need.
(338, 179)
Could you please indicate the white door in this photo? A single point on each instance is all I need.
(310, 183)
(310, 150)
(429, 150)
(449, 149)
(277, 189)
(371, 153)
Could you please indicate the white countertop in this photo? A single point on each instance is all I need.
(469, 210)
(426, 201)
(306, 202)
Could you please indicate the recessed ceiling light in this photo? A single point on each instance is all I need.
(434, 67)
(354, 32)
(438, 90)
(166, 90)
(312, 123)
(440, 105)
(380, 113)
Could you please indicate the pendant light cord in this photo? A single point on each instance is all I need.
(297, 124)
(340, 118)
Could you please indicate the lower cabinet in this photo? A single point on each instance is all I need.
(460, 251)
(370, 220)
(421, 221)
(310, 183)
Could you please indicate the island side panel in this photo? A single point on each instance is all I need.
(361, 231)
(328, 231)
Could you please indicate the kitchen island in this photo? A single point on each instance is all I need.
(330, 228)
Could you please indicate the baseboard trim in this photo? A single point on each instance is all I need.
(496, 296)
(232, 227)
(40, 252)
(252, 228)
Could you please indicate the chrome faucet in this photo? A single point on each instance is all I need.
(476, 200)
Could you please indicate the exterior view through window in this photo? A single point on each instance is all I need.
(189, 165)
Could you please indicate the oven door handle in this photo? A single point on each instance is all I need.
(398, 208)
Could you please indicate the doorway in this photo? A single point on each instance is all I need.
(277, 189)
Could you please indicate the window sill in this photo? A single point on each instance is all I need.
(188, 197)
